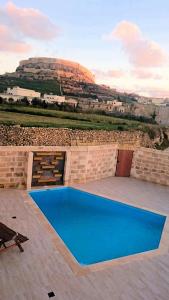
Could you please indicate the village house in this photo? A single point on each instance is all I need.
(59, 99)
(17, 91)
(95, 105)
(53, 98)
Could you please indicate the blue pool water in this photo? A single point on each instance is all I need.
(97, 229)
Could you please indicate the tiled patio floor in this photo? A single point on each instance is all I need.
(41, 268)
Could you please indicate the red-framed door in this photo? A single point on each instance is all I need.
(124, 163)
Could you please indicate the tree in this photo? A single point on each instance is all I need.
(11, 100)
(36, 102)
(44, 104)
(154, 115)
(1, 100)
(24, 101)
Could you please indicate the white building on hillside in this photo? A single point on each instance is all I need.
(54, 98)
(71, 102)
(117, 103)
(59, 99)
(158, 101)
(17, 91)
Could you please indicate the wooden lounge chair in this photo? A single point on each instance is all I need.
(7, 235)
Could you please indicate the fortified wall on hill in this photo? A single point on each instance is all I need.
(53, 68)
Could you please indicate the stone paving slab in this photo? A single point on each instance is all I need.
(42, 268)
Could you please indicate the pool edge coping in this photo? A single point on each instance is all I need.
(76, 268)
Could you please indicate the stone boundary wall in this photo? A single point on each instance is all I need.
(25, 136)
(92, 163)
(151, 165)
(82, 164)
(13, 169)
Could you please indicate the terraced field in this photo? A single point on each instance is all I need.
(38, 117)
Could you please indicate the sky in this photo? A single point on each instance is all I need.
(124, 43)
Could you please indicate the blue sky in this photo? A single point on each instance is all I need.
(82, 27)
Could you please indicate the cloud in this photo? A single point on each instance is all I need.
(109, 74)
(17, 25)
(142, 52)
(11, 44)
(156, 92)
(144, 74)
(31, 22)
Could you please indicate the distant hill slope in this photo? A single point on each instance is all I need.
(58, 76)
(67, 86)
(42, 86)
(53, 68)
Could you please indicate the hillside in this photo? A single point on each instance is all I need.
(67, 87)
(42, 86)
(58, 76)
(53, 68)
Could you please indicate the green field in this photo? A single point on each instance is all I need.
(38, 117)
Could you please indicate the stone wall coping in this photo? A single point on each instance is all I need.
(150, 150)
(57, 148)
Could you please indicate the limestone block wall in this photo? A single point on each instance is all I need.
(92, 163)
(82, 164)
(151, 165)
(13, 169)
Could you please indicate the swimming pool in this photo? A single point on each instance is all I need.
(97, 229)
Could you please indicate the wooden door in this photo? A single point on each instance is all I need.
(124, 162)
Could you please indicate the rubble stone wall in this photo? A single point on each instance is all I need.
(25, 136)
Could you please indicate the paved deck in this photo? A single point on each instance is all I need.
(41, 268)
